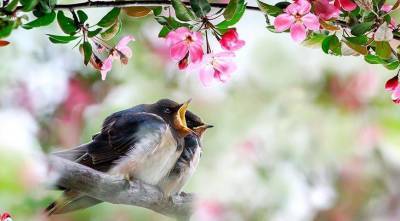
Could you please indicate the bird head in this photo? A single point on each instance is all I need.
(173, 113)
(195, 123)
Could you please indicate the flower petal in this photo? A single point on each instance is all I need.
(298, 32)
(392, 83)
(311, 21)
(126, 51)
(196, 53)
(303, 7)
(348, 5)
(106, 67)
(206, 75)
(325, 10)
(283, 22)
(178, 51)
(124, 41)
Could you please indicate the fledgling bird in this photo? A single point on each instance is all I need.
(143, 142)
(188, 162)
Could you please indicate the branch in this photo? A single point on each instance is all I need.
(129, 3)
(116, 190)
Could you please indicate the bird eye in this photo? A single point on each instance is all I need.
(167, 110)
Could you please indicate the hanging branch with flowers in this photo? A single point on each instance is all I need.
(340, 27)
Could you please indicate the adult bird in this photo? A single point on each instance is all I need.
(143, 142)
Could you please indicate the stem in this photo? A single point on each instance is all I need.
(122, 4)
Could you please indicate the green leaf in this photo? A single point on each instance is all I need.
(6, 27)
(66, 24)
(93, 33)
(45, 20)
(236, 18)
(356, 47)
(164, 32)
(362, 28)
(231, 9)
(200, 7)
(82, 16)
(331, 45)
(392, 65)
(314, 40)
(361, 40)
(59, 39)
(373, 59)
(383, 49)
(156, 10)
(170, 22)
(181, 11)
(109, 18)
(28, 5)
(87, 51)
(11, 6)
(271, 10)
(112, 31)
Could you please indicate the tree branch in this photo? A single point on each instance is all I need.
(117, 190)
(129, 3)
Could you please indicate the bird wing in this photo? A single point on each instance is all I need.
(120, 134)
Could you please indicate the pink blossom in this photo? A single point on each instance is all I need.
(120, 51)
(5, 217)
(324, 10)
(218, 66)
(392, 85)
(106, 67)
(347, 5)
(386, 7)
(230, 40)
(298, 18)
(184, 45)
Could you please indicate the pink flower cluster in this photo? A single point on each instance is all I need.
(186, 48)
(299, 19)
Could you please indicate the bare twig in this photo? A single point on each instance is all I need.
(117, 190)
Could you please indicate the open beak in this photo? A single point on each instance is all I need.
(180, 119)
(201, 129)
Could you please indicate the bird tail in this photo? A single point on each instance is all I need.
(70, 201)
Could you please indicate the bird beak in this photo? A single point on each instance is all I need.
(180, 119)
(201, 129)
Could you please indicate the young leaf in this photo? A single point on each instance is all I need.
(45, 20)
(271, 10)
(383, 49)
(392, 65)
(230, 9)
(236, 18)
(356, 47)
(181, 11)
(58, 39)
(156, 10)
(11, 6)
(137, 11)
(373, 59)
(87, 52)
(112, 31)
(362, 28)
(361, 40)
(6, 27)
(109, 18)
(28, 5)
(66, 24)
(331, 45)
(200, 7)
(93, 33)
(164, 32)
(82, 16)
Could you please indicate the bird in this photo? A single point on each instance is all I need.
(188, 161)
(143, 142)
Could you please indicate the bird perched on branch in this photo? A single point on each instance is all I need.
(145, 142)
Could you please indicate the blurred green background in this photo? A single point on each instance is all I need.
(299, 135)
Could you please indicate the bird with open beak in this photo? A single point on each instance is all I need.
(143, 142)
